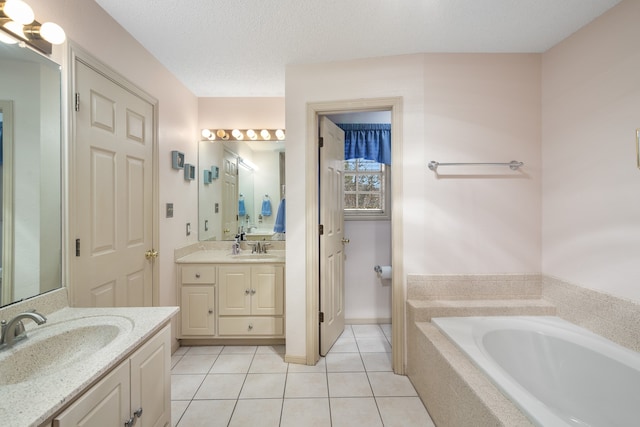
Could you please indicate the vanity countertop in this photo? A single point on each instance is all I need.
(34, 401)
(219, 256)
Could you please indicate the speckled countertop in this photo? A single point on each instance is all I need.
(224, 256)
(34, 401)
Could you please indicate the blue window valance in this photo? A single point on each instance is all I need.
(367, 141)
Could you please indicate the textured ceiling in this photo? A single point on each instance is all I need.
(240, 48)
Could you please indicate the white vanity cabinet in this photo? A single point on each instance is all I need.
(228, 301)
(137, 391)
(197, 300)
(251, 300)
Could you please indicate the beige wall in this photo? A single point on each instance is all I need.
(456, 108)
(92, 29)
(591, 203)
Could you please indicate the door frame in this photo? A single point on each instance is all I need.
(77, 53)
(312, 238)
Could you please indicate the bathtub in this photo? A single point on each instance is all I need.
(557, 373)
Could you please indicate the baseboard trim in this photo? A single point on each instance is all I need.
(300, 360)
(376, 321)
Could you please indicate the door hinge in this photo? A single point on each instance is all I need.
(321, 317)
(77, 102)
(77, 247)
(321, 230)
(321, 142)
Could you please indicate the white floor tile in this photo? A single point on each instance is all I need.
(177, 409)
(263, 386)
(363, 331)
(210, 413)
(359, 412)
(239, 349)
(184, 387)
(349, 384)
(205, 349)
(390, 384)
(221, 386)
(373, 345)
(306, 385)
(321, 366)
(181, 351)
(232, 364)
(174, 360)
(194, 364)
(345, 345)
(268, 363)
(348, 331)
(377, 362)
(344, 362)
(257, 413)
(271, 349)
(306, 412)
(403, 412)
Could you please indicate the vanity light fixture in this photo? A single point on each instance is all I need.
(242, 134)
(17, 19)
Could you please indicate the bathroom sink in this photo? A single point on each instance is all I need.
(51, 348)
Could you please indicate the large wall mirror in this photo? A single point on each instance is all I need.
(30, 169)
(247, 192)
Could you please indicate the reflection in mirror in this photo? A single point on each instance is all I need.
(251, 169)
(30, 169)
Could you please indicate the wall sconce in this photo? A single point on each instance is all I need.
(240, 134)
(18, 20)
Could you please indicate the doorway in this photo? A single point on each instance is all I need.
(314, 112)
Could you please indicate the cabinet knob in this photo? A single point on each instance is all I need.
(211, 311)
(250, 326)
(253, 291)
(131, 421)
(197, 275)
(247, 291)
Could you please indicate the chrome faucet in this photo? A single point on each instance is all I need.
(260, 248)
(13, 330)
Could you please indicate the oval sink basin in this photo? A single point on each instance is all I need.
(50, 348)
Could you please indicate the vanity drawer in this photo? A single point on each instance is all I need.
(195, 274)
(250, 326)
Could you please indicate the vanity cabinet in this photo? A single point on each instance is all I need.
(251, 300)
(197, 300)
(137, 391)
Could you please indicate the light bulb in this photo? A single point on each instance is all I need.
(280, 134)
(265, 134)
(19, 11)
(6, 38)
(252, 134)
(222, 134)
(15, 28)
(207, 134)
(236, 134)
(53, 33)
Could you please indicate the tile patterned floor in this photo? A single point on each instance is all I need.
(252, 386)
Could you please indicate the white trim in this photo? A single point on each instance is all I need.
(76, 53)
(376, 321)
(311, 219)
(7, 203)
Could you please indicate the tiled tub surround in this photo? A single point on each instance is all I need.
(446, 379)
(32, 402)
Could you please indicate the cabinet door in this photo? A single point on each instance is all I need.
(197, 309)
(104, 405)
(267, 289)
(234, 296)
(151, 381)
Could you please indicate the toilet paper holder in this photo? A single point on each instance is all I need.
(383, 272)
(377, 269)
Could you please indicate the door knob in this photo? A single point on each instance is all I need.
(151, 254)
(345, 241)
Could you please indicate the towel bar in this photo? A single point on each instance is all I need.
(513, 164)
